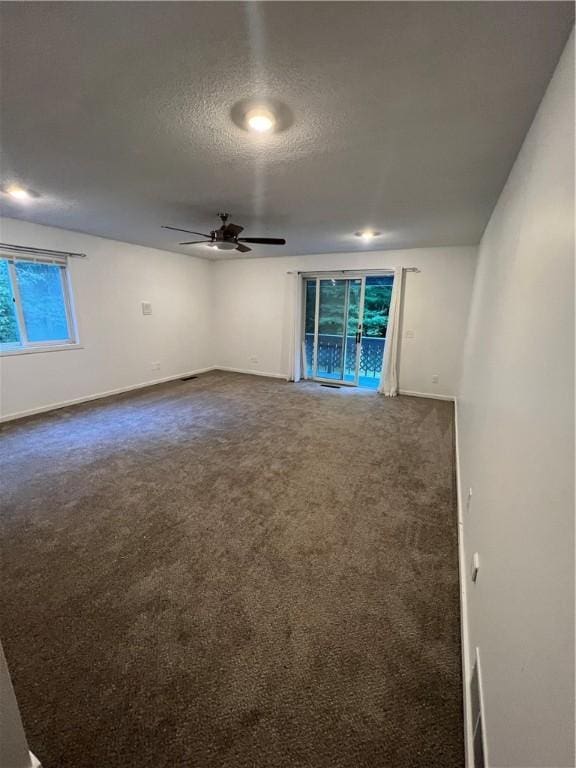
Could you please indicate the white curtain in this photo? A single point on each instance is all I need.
(389, 381)
(295, 324)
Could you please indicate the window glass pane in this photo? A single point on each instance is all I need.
(310, 305)
(43, 303)
(332, 303)
(8, 324)
(309, 325)
(377, 305)
(354, 290)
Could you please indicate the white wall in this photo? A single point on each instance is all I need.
(253, 306)
(119, 343)
(516, 439)
(222, 313)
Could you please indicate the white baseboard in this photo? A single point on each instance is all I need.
(434, 396)
(99, 395)
(121, 390)
(464, 637)
(251, 372)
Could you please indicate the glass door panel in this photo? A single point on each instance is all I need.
(378, 293)
(309, 327)
(331, 344)
(345, 327)
(332, 312)
(351, 342)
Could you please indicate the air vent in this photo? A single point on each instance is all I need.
(477, 715)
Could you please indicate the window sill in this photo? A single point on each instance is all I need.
(39, 349)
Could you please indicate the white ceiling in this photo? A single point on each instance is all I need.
(407, 117)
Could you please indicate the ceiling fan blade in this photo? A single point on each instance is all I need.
(195, 242)
(190, 231)
(263, 240)
(243, 248)
(232, 230)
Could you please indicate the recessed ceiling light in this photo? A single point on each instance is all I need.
(18, 193)
(367, 234)
(260, 120)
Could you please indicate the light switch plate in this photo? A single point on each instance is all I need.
(146, 308)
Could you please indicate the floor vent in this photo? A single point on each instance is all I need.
(477, 715)
(187, 378)
(330, 386)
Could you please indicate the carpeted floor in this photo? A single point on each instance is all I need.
(234, 572)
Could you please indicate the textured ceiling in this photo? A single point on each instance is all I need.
(406, 117)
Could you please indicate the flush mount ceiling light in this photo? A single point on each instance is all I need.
(367, 234)
(262, 116)
(260, 120)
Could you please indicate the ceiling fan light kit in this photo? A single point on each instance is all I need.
(223, 246)
(225, 238)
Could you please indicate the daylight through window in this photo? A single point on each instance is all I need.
(35, 306)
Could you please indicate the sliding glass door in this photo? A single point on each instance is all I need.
(345, 328)
(332, 328)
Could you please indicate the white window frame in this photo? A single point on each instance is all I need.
(24, 346)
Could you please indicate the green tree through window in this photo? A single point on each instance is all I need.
(34, 308)
(377, 298)
(377, 305)
(43, 303)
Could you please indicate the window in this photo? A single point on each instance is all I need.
(35, 307)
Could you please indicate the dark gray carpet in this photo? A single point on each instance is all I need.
(234, 572)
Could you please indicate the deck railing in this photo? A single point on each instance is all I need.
(330, 354)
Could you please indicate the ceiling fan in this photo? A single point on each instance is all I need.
(226, 237)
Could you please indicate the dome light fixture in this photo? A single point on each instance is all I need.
(260, 120)
(261, 114)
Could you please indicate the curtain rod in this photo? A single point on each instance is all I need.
(349, 271)
(39, 251)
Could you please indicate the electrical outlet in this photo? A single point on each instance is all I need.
(435, 378)
(155, 366)
(254, 359)
(409, 334)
